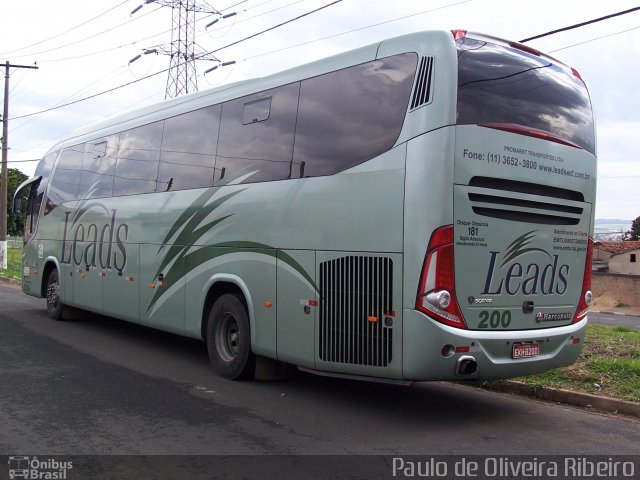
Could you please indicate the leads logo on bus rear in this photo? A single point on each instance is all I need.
(525, 269)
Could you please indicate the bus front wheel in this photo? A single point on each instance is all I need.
(229, 338)
(52, 294)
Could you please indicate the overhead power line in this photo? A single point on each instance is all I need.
(136, 42)
(24, 161)
(358, 29)
(304, 43)
(582, 24)
(167, 69)
(66, 31)
(182, 78)
(90, 96)
(593, 40)
(87, 38)
(275, 26)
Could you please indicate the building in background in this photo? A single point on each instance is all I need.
(617, 257)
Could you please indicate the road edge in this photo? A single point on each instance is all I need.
(569, 397)
(612, 312)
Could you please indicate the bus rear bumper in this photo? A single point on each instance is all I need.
(434, 351)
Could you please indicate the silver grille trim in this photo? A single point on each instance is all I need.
(354, 290)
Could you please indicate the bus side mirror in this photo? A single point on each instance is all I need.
(20, 191)
(17, 204)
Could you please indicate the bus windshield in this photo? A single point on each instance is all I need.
(498, 84)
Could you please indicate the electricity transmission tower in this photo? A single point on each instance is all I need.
(183, 51)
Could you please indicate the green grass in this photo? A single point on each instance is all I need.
(609, 365)
(14, 264)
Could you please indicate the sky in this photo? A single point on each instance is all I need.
(83, 48)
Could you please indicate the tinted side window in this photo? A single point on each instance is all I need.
(34, 201)
(256, 136)
(64, 183)
(188, 152)
(352, 115)
(44, 170)
(138, 157)
(98, 168)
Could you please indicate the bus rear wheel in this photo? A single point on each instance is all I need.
(229, 338)
(52, 294)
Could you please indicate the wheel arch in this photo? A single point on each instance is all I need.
(219, 285)
(50, 264)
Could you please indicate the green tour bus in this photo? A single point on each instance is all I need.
(416, 209)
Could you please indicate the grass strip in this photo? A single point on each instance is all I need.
(609, 365)
(14, 264)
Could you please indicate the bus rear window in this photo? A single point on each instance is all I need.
(498, 84)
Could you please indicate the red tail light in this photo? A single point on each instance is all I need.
(530, 132)
(525, 48)
(577, 74)
(436, 293)
(585, 295)
(457, 34)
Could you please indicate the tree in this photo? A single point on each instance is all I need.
(634, 233)
(14, 221)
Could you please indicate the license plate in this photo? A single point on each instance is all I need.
(526, 350)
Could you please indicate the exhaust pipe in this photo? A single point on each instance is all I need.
(466, 366)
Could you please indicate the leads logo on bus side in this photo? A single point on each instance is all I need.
(94, 244)
(514, 276)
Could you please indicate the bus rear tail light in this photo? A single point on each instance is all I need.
(436, 293)
(458, 34)
(530, 132)
(525, 48)
(576, 73)
(585, 295)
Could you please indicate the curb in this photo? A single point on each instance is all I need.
(614, 313)
(580, 399)
(11, 281)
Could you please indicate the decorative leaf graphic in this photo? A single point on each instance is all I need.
(517, 247)
(188, 232)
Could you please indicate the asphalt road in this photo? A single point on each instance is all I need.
(101, 386)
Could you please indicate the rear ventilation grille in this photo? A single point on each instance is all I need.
(423, 88)
(356, 297)
(525, 202)
(526, 187)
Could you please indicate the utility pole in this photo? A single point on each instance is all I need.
(4, 180)
(183, 50)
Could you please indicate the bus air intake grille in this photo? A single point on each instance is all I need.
(525, 202)
(423, 88)
(356, 310)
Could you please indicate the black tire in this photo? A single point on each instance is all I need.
(229, 338)
(52, 294)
